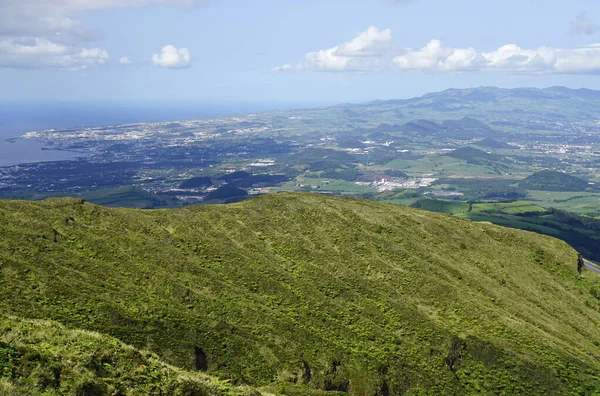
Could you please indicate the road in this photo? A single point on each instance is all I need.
(591, 266)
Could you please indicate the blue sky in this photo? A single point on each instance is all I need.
(290, 51)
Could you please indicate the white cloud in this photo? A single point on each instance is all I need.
(48, 34)
(365, 52)
(42, 53)
(371, 42)
(125, 61)
(171, 57)
(56, 17)
(283, 68)
(516, 59)
(373, 50)
(435, 57)
(582, 24)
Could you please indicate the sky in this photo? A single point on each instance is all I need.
(313, 51)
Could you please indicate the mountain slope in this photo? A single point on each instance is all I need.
(43, 356)
(337, 294)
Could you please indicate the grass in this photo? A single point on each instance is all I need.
(327, 184)
(577, 202)
(435, 205)
(467, 210)
(440, 166)
(403, 164)
(124, 197)
(291, 292)
(44, 357)
(579, 231)
(515, 207)
(513, 222)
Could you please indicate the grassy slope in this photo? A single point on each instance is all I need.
(324, 291)
(38, 356)
(579, 232)
(123, 197)
(576, 202)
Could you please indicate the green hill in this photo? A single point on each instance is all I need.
(465, 123)
(299, 291)
(471, 154)
(226, 192)
(474, 156)
(549, 180)
(494, 144)
(44, 357)
(196, 182)
(422, 127)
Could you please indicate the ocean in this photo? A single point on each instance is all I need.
(19, 117)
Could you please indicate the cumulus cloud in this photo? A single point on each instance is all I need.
(436, 57)
(283, 68)
(373, 50)
(125, 61)
(582, 24)
(171, 57)
(48, 34)
(367, 51)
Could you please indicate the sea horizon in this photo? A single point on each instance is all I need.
(20, 117)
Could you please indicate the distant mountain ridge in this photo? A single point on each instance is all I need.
(490, 93)
(486, 104)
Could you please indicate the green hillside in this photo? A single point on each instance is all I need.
(126, 197)
(549, 180)
(44, 357)
(472, 154)
(581, 232)
(299, 291)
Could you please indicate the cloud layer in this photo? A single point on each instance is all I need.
(37, 53)
(373, 50)
(436, 57)
(171, 57)
(47, 34)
